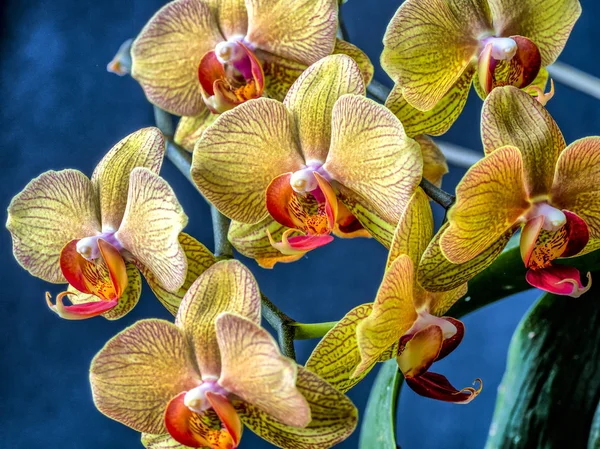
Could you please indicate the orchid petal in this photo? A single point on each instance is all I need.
(576, 186)
(303, 31)
(52, 210)
(489, 201)
(334, 417)
(578, 234)
(434, 161)
(189, 129)
(162, 441)
(82, 311)
(347, 226)
(150, 228)
(436, 386)
(226, 286)
(546, 24)
(371, 156)
(451, 343)
(440, 302)
(280, 73)
(231, 15)
(254, 370)
(312, 97)
(429, 44)
(143, 148)
(199, 259)
(166, 54)
(227, 415)
(529, 236)
(226, 166)
(364, 63)
(439, 118)
(393, 313)
(298, 245)
(513, 117)
(559, 279)
(420, 351)
(152, 355)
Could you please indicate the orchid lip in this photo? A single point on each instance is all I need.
(88, 246)
(503, 48)
(196, 400)
(426, 319)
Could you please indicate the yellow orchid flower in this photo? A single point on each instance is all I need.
(433, 49)
(96, 234)
(404, 322)
(198, 381)
(294, 160)
(529, 179)
(195, 57)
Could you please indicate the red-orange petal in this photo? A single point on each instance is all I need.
(227, 415)
(209, 70)
(279, 195)
(578, 234)
(521, 70)
(78, 311)
(436, 386)
(451, 343)
(559, 280)
(529, 236)
(331, 202)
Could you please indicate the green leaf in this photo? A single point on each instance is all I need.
(379, 421)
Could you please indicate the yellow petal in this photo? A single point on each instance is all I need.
(151, 226)
(240, 154)
(279, 73)
(393, 313)
(336, 356)
(143, 148)
(540, 81)
(253, 369)
(371, 155)
(139, 371)
(127, 300)
(489, 200)
(364, 63)
(434, 161)
(303, 30)
(164, 441)
(227, 286)
(231, 16)
(576, 186)
(189, 129)
(312, 97)
(253, 241)
(167, 52)
(334, 417)
(414, 230)
(421, 351)
(437, 120)
(437, 274)
(440, 302)
(52, 210)
(199, 259)
(548, 24)
(430, 43)
(513, 117)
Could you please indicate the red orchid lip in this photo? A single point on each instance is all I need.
(436, 386)
(559, 280)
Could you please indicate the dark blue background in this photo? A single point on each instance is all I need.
(61, 109)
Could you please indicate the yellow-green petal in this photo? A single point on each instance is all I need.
(163, 441)
(236, 158)
(189, 129)
(150, 228)
(360, 57)
(226, 286)
(434, 161)
(143, 148)
(231, 15)
(48, 213)
(139, 371)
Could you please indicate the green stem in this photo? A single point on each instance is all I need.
(223, 248)
(438, 195)
(307, 331)
(282, 324)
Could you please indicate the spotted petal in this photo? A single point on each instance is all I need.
(150, 356)
(189, 129)
(52, 210)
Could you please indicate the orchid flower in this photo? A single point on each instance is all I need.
(433, 49)
(404, 322)
(198, 58)
(292, 161)
(529, 180)
(96, 234)
(198, 381)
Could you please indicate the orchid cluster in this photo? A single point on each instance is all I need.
(286, 145)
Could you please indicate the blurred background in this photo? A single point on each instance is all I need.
(61, 109)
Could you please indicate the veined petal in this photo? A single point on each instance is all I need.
(414, 230)
(166, 54)
(336, 356)
(226, 286)
(434, 161)
(226, 166)
(199, 259)
(437, 120)
(163, 441)
(371, 155)
(189, 129)
(437, 274)
(334, 417)
(420, 351)
(513, 117)
(546, 24)
(364, 63)
(489, 201)
(143, 148)
(48, 213)
(529, 236)
(393, 313)
(429, 44)
(303, 31)
(576, 185)
(83, 311)
(440, 302)
(560, 280)
(253, 241)
(253, 369)
(312, 97)
(436, 386)
(150, 228)
(231, 15)
(138, 371)
(347, 225)
(280, 73)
